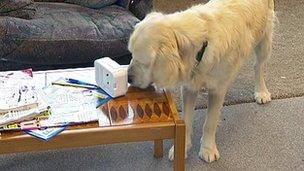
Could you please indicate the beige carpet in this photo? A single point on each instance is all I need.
(285, 72)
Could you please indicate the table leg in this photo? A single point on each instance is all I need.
(158, 148)
(179, 147)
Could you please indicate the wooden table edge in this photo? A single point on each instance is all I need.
(91, 137)
(175, 113)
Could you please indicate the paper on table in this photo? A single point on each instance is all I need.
(17, 91)
(71, 105)
(45, 78)
(84, 74)
(18, 116)
(28, 124)
(19, 97)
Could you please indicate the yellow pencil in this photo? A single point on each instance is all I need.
(74, 85)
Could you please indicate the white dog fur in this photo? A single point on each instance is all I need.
(164, 49)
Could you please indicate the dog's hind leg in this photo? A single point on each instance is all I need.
(263, 52)
(189, 99)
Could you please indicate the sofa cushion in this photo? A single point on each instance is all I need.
(13, 5)
(96, 4)
(89, 3)
(63, 33)
(16, 8)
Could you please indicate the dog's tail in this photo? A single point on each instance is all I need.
(271, 4)
(273, 17)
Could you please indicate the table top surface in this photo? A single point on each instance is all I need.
(137, 107)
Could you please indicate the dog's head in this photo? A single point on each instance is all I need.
(156, 53)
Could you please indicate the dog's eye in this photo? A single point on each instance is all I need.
(144, 64)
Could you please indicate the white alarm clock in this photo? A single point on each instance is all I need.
(111, 76)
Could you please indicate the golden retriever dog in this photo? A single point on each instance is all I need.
(203, 47)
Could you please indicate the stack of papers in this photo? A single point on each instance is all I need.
(69, 104)
(19, 98)
(46, 111)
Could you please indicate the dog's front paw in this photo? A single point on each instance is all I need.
(209, 154)
(171, 153)
(262, 97)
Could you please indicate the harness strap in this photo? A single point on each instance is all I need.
(199, 58)
(200, 53)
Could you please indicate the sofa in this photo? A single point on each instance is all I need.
(51, 34)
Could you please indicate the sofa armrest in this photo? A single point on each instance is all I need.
(138, 7)
(124, 3)
(49, 0)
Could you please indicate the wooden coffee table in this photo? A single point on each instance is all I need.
(140, 115)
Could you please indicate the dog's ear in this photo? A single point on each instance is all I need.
(183, 43)
(167, 63)
(167, 44)
(168, 50)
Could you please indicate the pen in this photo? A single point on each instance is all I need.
(74, 81)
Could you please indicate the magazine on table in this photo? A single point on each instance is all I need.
(46, 134)
(19, 98)
(17, 91)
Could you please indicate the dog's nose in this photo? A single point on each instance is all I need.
(130, 79)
